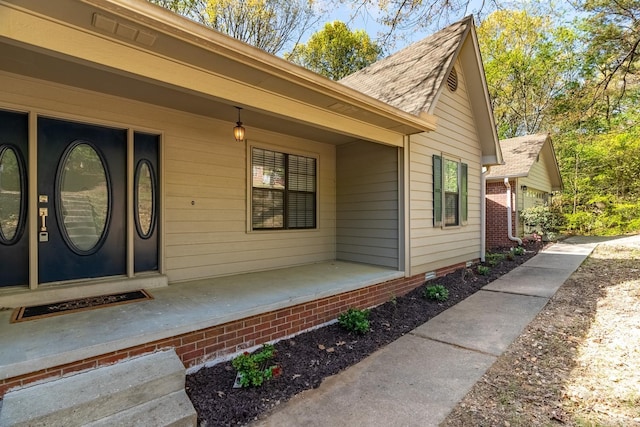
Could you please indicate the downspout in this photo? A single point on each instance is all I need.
(483, 212)
(509, 226)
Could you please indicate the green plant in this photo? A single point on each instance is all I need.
(355, 320)
(493, 259)
(484, 270)
(436, 292)
(254, 369)
(543, 219)
(518, 250)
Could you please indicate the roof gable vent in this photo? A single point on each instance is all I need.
(452, 80)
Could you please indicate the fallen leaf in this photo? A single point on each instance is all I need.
(330, 350)
(321, 347)
(296, 376)
(340, 343)
(220, 393)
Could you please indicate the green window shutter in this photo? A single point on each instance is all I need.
(464, 193)
(437, 190)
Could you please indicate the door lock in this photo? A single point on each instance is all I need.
(44, 213)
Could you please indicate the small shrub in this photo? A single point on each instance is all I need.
(254, 369)
(511, 256)
(518, 250)
(436, 292)
(493, 259)
(483, 269)
(355, 320)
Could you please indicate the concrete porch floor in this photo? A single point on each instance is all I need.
(179, 308)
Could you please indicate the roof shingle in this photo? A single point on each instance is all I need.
(411, 78)
(519, 155)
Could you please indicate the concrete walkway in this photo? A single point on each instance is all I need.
(418, 379)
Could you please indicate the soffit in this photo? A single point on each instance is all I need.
(214, 55)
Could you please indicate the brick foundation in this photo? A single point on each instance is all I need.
(497, 229)
(195, 348)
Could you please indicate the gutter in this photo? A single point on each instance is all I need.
(509, 226)
(483, 212)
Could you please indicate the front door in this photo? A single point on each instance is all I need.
(81, 201)
(14, 233)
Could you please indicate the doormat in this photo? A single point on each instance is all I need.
(22, 314)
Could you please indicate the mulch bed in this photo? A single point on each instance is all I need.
(310, 357)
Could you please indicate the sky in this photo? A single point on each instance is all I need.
(366, 20)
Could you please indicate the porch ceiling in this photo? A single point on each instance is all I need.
(135, 49)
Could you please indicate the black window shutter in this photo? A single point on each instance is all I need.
(437, 190)
(464, 193)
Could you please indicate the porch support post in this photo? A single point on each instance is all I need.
(33, 201)
(130, 202)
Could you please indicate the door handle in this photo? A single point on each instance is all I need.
(44, 213)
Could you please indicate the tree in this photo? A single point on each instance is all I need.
(270, 25)
(529, 63)
(336, 51)
(612, 36)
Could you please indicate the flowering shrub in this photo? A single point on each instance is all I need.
(254, 369)
(436, 292)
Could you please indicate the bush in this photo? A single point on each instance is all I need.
(544, 219)
(518, 250)
(254, 369)
(493, 259)
(354, 320)
(483, 269)
(436, 292)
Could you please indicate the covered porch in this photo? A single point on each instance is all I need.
(205, 320)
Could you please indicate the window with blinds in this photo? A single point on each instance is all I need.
(450, 192)
(283, 193)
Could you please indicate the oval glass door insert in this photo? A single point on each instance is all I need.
(83, 195)
(145, 203)
(11, 195)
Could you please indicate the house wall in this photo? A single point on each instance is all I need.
(497, 227)
(435, 247)
(367, 204)
(204, 172)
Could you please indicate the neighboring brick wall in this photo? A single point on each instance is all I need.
(195, 348)
(497, 236)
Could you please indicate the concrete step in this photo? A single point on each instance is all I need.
(91, 396)
(173, 410)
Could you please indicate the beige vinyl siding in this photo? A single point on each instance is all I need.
(204, 177)
(367, 204)
(456, 137)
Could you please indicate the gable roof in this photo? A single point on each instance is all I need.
(411, 78)
(521, 153)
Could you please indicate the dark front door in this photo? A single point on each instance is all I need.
(81, 200)
(14, 236)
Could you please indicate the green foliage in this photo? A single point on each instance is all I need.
(543, 219)
(255, 369)
(335, 51)
(493, 259)
(529, 61)
(518, 250)
(436, 292)
(605, 218)
(355, 320)
(483, 270)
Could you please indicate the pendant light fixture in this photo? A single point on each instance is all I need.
(238, 131)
